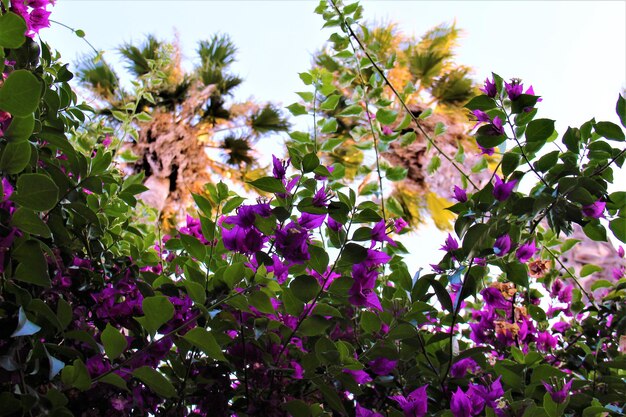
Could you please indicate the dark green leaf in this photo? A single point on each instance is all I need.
(28, 221)
(572, 139)
(15, 157)
(12, 29)
(310, 162)
(620, 109)
(76, 375)
(269, 184)
(353, 110)
(155, 381)
(114, 342)
(261, 302)
(539, 130)
(20, 128)
(157, 311)
(618, 227)
(386, 116)
(19, 95)
(595, 231)
(547, 161)
(204, 340)
(517, 273)
(481, 102)
(193, 246)
(331, 102)
(304, 288)
(297, 109)
(36, 192)
(319, 259)
(609, 130)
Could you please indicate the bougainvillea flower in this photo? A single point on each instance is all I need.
(279, 168)
(292, 242)
(620, 250)
(460, 368)
(364, 412)
(559, 395)
(480, 396)
(502, 245)
(502, 190)
(382, 366)
(450, 245)
(360, 376)
(486, 151)
(311, 221)
(334, 224)
(460, 404)
(497, 128)
(415, 404)
(595, 210)
(379, 234)
(362, 291)
(375, 258)
(489, 88)
(494, 299)
(246, 215)
(460, 194)
(514, 90)
(387, 130)
(400, 224)
(546, 342)
(243, 240)
(526, 251)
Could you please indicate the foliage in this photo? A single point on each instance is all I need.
(300, 304)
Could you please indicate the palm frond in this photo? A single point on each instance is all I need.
(453, 88)
(99, 77)
(219, 51)
(268, 119)
(138, 57)
(237, 150)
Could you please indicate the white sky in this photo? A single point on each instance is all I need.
(573, 53)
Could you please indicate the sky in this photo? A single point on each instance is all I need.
(573, 53)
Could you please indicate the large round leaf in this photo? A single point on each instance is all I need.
(12, 29)
(36, 191)
(20, 93)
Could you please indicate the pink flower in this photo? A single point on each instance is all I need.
(594, 210)
(387, 130)
(526, 251)
(415, 404)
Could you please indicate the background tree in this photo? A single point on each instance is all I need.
(425, 73)
(190, 128)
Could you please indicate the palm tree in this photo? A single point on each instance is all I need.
(197, 132)
(425, 73)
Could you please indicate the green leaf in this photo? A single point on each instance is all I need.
(115, 380)
(352, 110)
(330, 126)
(310, 162)
(595, 231)
(331, 102)
(15, 157)
(304, 288)
(539, 130)
(297, 109)
(20, 128)
(32, 267)
(261, 302)
(314, 326)
(547, 161)
(28, 221)
(157, 311)
(114, 342)
(319, 259)
(618, 227)
(297, 408)
(486, 138)
(269, 184)
(233, 274)
(589, 269)
(609, 130)
(12, 29)
(36, 191)
(206, 342)
(440, 129)
(481, 102)
(370, 322)
(19, 95)
(76, 375)
(517, 273)
(155, 381)
(193, 246)
(620, 109)
(386, 116)
(396, 173)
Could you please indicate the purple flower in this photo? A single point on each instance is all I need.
(489, 88)
(559, 396)
(546, 342)
(362, 291)
(360, 376)
(375, 258)
(387, 130)
(460, 404)
(502, 245)
(311, 221)
(382, 366)
(321, 197)
(279, 168)
(379, 234)
(415, 404)
(243, 240)
(493, 298)
(514, 90)
(560, 327)
(502, 190)
(480, 396)
(460, 368)
(531, 92)
(594, 210)
(450, 245)
(526, 251)
(292, 242)
(460, 194)
(497, 129)
(620, 250)
(364, 412)
(399, 225)
(485, 151)
(334, 224)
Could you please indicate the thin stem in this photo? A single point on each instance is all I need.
(315, 120)
(605, 166)
(74, 30)
(351, 33)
